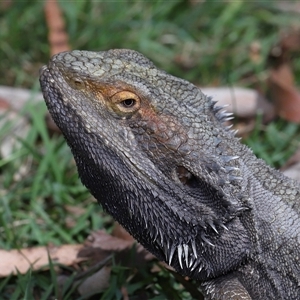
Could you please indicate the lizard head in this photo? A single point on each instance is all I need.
(154, 151)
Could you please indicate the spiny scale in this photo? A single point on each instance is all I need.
(211, 224)
(171, 253)
(230, 169)
(179, 250)
(228, 158)
(206, 240)
(186, 254)
(194, 249)
(196, 263)
(191, 262)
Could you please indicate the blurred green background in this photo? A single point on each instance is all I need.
(211, 43)
(207, 42)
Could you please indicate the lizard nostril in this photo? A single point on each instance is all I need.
(78, 83)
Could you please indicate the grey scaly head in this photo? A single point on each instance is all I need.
(154, 151)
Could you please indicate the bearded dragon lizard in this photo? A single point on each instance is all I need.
(155, 152)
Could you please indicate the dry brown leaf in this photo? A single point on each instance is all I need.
(58, 38)
(285, 93)
(290, 40)
(281, 80)
(95, 283)
(120, 232)
(4, 105)
(100, 239)
(22, 260)
(6, 4)
(98, 247)
(99, 242)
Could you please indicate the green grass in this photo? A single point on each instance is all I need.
(34, 203)
(207, 44)
(274, 142)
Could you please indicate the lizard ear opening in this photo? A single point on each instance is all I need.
(186, 177)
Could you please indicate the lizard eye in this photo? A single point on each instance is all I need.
(128, 102)
(125, 103)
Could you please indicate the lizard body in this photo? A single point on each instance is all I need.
(154, 151)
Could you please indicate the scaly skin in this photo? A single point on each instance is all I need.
(154, 151)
